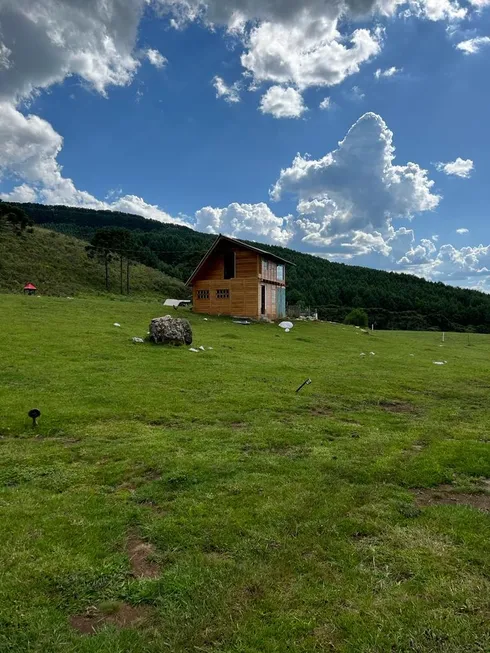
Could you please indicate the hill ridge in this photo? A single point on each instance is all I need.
(393, 300)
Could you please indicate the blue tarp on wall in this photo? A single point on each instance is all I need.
(281, 302)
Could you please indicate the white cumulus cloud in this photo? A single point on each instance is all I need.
(472, 46)
(387, 73)
(436, 10)
(325, 104)
(458, 168)
(156, 58)
(248, 221)
(307, 54)
(22, 193)
(44, 41)
(350, 197)
(283, 103)
(462, 231)
(230, 94)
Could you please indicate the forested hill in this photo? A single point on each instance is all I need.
(392, 300)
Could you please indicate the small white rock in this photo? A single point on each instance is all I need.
(202, 348)
(116, 324)
(210, 348)
(438, 362)
(138, 340)
(363, 354)
(371, 353)
(196, 351)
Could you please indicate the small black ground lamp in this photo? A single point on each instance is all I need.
(34, 414)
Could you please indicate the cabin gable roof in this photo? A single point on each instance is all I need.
(237, 243)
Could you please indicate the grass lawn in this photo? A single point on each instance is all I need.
(175, 501)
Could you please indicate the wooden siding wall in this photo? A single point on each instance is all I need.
(247, 265)
(242, 302)
(243, 288)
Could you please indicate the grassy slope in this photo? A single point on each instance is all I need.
(58, 265)
(281, 521)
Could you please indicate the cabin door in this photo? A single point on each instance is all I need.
(262, 300)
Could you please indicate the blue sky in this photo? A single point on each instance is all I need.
(193, 112)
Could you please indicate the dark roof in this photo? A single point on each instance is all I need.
(222, 238)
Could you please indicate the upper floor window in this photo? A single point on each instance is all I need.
(280, 272)
(267, 268)
(230, 265)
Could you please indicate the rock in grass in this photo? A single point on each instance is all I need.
(170, 330)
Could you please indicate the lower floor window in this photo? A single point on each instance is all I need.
(203, 294)
(223, 294)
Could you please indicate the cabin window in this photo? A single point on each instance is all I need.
(203, 294)
(266, 267)
(280, 272)
(223, 294)
(230, 265)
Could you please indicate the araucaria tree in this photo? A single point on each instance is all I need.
(101, 248)
(108, 243)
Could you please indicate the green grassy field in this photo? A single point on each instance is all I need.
(174, 501)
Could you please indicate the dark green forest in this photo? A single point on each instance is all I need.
(391, 300)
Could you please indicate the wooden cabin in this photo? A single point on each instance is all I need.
(238, 279)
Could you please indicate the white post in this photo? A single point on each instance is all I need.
(372, 327)
(443, 334)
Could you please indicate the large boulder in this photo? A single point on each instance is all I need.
(170, 330)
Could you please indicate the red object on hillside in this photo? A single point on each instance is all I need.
(30, 289)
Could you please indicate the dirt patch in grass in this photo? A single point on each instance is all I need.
(144, 502)
(70, 442)
(238, 425)
(253, 591)
(134, 478)
(325, 638)
(165, 422)
(121, 616)
(446, 495)
(140, 557)
(397, 406)
(321, 411)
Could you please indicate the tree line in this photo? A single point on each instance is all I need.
(14, 217)
(391, 300)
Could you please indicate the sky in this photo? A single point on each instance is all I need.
(355, 130)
